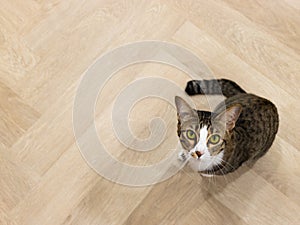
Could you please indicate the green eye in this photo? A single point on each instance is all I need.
(214, 139)
(190, 134)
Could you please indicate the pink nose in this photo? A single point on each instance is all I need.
(198, 154)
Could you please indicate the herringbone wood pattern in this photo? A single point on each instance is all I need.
(45, 46)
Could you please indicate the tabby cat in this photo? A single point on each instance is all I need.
(219, 142)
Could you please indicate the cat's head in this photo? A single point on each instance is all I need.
(204, 135)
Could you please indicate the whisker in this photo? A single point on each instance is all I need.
(227, 163)
(214, 180)
(223, 175)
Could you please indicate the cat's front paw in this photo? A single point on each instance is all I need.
(182, 156)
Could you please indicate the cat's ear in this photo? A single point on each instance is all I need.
(185, 112)
(230, 116)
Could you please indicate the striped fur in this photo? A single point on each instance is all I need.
(245, 139)
(224, 87)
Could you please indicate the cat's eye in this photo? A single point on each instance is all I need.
(190, 134)
(214, 139)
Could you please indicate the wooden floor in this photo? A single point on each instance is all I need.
(46, 46)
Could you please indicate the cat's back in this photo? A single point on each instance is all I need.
(254, 107)
(258, 121)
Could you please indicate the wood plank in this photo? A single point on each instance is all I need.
(275, 17)
(16, 181)
(15, 117)
(60, 189)
(264, 198)
(109, 25)
(176, 196)
(241, 36)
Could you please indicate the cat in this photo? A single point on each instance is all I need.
(219, 142)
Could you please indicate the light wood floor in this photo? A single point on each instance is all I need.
(45, 47)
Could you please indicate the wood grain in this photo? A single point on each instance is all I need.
(46, 46)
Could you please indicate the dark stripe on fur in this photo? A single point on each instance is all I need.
(224, 87)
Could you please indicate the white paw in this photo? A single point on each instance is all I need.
(182, 156)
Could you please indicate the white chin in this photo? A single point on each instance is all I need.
(205, 165)
(206, 162)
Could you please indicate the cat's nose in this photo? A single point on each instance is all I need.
(198, 154)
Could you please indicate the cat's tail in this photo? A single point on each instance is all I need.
(224, 87)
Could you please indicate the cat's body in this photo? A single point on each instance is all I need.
(221, 141)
